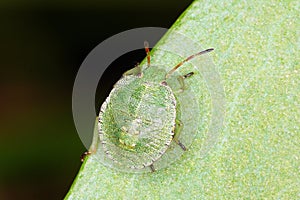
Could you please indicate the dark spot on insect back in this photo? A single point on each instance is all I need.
(164, 83)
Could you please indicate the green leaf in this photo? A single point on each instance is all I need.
(257, 155)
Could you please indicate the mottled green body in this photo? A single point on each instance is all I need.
(143, 119)
(137, 122)
(148, 109)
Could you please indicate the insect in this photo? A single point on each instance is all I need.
(140, 118)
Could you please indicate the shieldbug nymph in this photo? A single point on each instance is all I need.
(140, 118)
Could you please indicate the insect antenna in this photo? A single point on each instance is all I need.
(146, 45)
(187, 59)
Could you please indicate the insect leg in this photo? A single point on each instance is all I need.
(93, 147)
(85, 154)
(137, 70)
(177, 133)
(146, 45)
(188, 75)
(152, 168)
(181, 80)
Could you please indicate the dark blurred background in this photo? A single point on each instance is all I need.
(42, 45)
